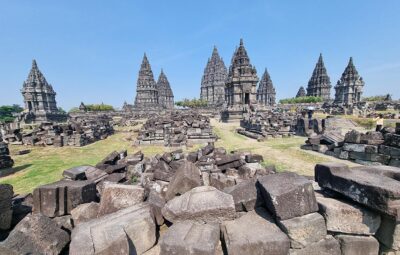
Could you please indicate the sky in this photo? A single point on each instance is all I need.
(91, 50)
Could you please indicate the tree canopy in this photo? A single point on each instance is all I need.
(7, 112)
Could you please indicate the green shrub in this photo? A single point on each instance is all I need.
(192, 103)
(299, 100)
(7, 111)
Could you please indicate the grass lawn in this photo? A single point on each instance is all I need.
(46, 164)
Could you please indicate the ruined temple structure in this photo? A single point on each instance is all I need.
(165, 94)
(301, 92)
(266, 92)
(146, 91)
(39, 99)
(319, 84)
(240, 86)
(350, 86)
(213, 81)
(150, 95)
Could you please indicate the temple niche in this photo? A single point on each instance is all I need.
(146, 90)
(213, 80)
(349, 88)
(266, 93)
(165, 94)
(240, 86)
(319, 84)
(39, 99)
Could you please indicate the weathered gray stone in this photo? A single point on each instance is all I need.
(343, 217)
(254, 233)
(184, 179)
(372, 190)
(203, 203)
(59, 198)
(85, 212)
(327, 246)
(389, 233)
(35, 234)
(288, 195)
(358, 245)
(76, 173)
(118, 196)
(189, 237)
(157, 202)
(6, 195)
(354, 147)
(304, 230)
(245, 195)
(129, 231)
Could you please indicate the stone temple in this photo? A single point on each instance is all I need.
(240, 86)
(301, 92)
(165, 94)
(146, 91)
(350, 86)
(213, 80)
(319, 84)
(39, 99)
(266, 92)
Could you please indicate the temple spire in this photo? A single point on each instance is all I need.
(266, 92)
(319, 84)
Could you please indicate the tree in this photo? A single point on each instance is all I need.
(299, 100)
(7, 112)
(191, 103)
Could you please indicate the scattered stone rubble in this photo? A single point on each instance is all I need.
(205, 202)
(5, 159)
(176, 129)
(264, 125)
(78, 131)
(370, 148)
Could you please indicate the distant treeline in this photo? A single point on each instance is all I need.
(7, 111)
(299, 100)
(378, 98)
(192, 103)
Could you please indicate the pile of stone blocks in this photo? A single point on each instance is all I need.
(370, 148)
(5, 159)
(264, 125)
(76, 132)
(361, 206)
(176, 129)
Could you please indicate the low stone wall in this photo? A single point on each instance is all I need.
(176, 129)
(371, 148)
(78, 131)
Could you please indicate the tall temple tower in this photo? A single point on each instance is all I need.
(266, 92)
(301, 92)
(213, 80)
(349, 88)
(39, 98)
(146, 90)
(241, 84)
(165, 94)
(319, 84)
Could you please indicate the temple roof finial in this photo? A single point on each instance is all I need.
(241, 41)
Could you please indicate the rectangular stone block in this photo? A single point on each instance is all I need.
(254, 233)
(358, 245)
(304, 230)
(59, 198)
(287, 195)
(389, 233)
(327, 246)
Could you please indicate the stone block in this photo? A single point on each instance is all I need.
(354, 147)
(375, 191)
(327, 246)
(85, 212)
(287, 195)
(59, 198)
(189, 237)
(389, 233)
(184, 179)
(129, 231)
(245, 195)
(304, 230)
(358, 245)
(204, 203)
(157, 202)
(254, 233)
(35, 234)
(118, 196)
(343, 217)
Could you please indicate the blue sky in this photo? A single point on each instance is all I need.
(91, 50)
